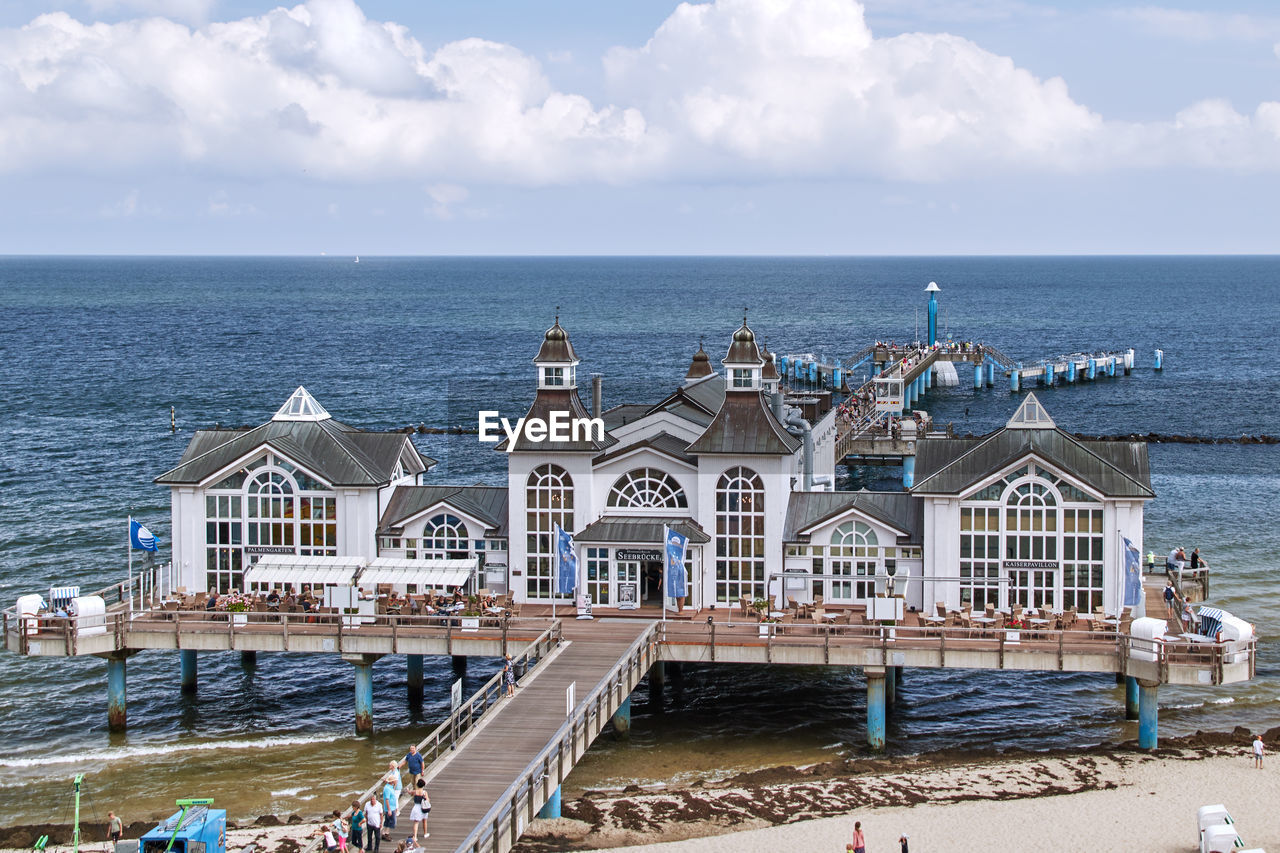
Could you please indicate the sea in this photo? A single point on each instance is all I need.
(95, 352)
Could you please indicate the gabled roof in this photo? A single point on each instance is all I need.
(623, 414)
(1113, 468)
(664, 443)
(696, 401)
(745, 424)
(483, 503)
(639, 531)
(550, 400)
(897, 510)
(339, 454)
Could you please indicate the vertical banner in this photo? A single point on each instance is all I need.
(676, 547)
(1132, 574)
(566, 562)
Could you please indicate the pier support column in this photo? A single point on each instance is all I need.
(117, 700)
(928, 378)
(459, 665)
(1131, 710)
(248, 660)
(875, 706)
(657, 680)
(1159, 362)
(413, 674)
(908, 471)
(890, 686)
(551, 810)
(1015, 380)
(977, 376)
(188, 667)
(1111, 366)
(1071, 372)
(991, 374)
(1148, 714)
(1048, 375)
(622, 718)
(363, 665)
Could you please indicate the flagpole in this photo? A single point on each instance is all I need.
(662, 549)
(128, 547)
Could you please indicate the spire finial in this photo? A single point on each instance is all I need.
(557, 315)
(744, 315)
(701, 342)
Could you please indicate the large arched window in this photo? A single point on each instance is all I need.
(854, 553)
(548, 502)
(646, 488)
(445, 537)
(1031, 542)
(270, 511)
(739, 536)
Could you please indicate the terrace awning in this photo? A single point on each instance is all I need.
(281, 569)
(437, 574)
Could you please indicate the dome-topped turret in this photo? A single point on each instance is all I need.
(744, 350)
(701, 364)
(744, 335)
(556, 348)
(770, 372)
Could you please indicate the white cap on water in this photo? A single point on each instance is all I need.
(932, 288)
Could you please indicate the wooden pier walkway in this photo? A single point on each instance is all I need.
(498, 779)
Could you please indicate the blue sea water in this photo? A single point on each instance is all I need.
(95, 351)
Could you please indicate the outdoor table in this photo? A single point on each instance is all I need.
(777, 614)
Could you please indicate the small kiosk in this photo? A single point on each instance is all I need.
(888, 395)
(195, 829)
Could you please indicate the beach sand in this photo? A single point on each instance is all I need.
(1099, 799)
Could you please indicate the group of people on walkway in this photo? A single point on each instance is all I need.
(372, 821)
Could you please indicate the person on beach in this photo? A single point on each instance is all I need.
(357, 825)
(1169, 598)
(115, 827)
(340, 833)
(421, 811)
(1258, 749)
(902, 839)
(328, 840)
(859, 843)
(373, 825)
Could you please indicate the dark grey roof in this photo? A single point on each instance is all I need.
(550, 400)
(899, 510)
(624, 414)
(486, 503)
(639, 531)
(745, 424)
(696, 401)
(663, 442)
(556, 346)
(744, 349)
(340, 455)
(952, 466)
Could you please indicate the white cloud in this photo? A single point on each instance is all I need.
(445, 196)
(730, 90)
(124, 208)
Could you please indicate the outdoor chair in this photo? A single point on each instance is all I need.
(990, 612)
(942, 608)
(745, 604)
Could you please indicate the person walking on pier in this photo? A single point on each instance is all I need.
(115, 828)
(357, 825)
(373, 824)
(1258, 750)
(413, 763)
(1169, 598)
(421, 811)
(509, 676)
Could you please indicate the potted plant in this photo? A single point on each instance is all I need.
(239, 611)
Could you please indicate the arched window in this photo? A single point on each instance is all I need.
(739, 536)
(854, 553)
(548, 502)
(445, 537)
(270, 510)
(1031, 542)
(646, 488)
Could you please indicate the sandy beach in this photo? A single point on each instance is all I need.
(1099, 799)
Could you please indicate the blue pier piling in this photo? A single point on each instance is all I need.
(875, 707)
(928, 378)
(1148, 714)
(991, 374)
(835, 379)
(551, 810)
(977, 376)
(1015, 381)
(1048, 375)
(876, 368)
(414, 676)
(622, 718)
(813, 371)
(1130, 698)
(932, 290)
(1091, 369)
(1071, 372)
(188, 667)
(363, 665)
(1111, 366)
(1159, 362)
(782, 365)
(1128, 361)
(117, 700)
(908, 471)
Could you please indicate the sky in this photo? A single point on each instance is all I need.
(817, 127)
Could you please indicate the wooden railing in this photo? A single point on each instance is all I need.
(503, 824)
(447, 736)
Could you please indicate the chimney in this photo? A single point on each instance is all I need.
(597, 394)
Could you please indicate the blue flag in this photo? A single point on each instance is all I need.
(1132, 574)
(140, 537)
(676, 546)
(566, 562)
